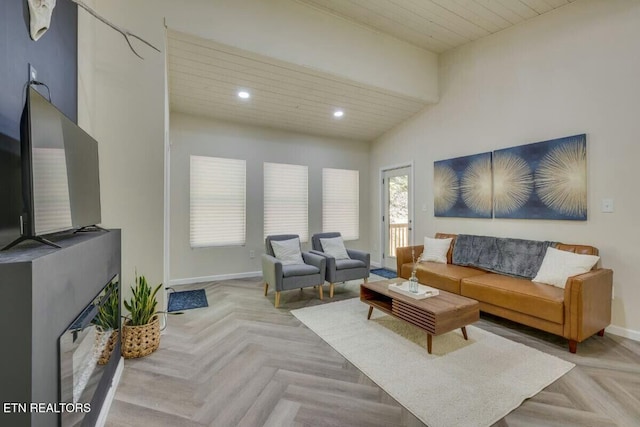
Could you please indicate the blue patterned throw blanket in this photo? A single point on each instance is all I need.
(513, 257)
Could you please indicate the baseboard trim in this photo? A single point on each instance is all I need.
(623, 332)
(104, 411)
(192, 280)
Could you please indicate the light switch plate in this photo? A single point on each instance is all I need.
(607, 205)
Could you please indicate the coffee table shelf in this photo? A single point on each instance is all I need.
(377, 300)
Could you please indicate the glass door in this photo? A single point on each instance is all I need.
(397, 216)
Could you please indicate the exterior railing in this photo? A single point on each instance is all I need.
(398, 237)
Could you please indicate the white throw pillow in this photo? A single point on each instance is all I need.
(287, 251)
(334, 247)
(557, 266)
(435, 250)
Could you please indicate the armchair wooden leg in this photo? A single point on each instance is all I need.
(573, 346)
(266, 288)
(277, 298)
(366, 280)
(330, 290)
(320, 291)
(601, 333)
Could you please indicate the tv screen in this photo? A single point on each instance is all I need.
(65, 183)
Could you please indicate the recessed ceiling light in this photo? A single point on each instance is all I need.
(244, 94)
(338, 113)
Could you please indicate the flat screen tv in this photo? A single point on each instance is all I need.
(60, 177)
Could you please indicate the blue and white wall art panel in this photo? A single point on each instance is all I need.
(462, 187)
(544, 180)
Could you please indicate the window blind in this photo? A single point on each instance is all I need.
(286, 200)
(341, 202)
(217, 202)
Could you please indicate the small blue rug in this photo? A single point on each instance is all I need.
(186, 300)
(387, 274)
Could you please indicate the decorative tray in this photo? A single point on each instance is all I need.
(423, 291)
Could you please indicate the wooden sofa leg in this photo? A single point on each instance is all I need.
(573, 346)
(601, 333)
(266, 288)
(277, 298)
(320, 291)
(366, 280)
(330, 290)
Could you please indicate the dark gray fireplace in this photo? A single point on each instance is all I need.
(43, 291)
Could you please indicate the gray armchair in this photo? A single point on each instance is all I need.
(341, 270)
(286, 277)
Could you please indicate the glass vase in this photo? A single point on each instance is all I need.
(413, 283)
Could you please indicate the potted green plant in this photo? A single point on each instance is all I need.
(106, 321)
(141, 330)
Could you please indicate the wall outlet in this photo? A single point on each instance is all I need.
(252, 254)
(33, 73)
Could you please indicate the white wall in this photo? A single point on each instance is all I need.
(205, 137)
(294, 32)
(574, 70)
(121, 98)
(121, 102)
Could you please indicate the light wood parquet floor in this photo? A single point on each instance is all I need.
(242, 362)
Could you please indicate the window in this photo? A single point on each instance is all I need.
(286, 200)
(341, 202)
(218, 202)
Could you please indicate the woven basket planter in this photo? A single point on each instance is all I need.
(139, 341)
(104, 356)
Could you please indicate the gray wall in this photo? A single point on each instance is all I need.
(55, 58)
(200, 136)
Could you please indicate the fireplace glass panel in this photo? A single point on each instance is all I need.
(86, 348)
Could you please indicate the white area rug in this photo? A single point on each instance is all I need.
(463, 383)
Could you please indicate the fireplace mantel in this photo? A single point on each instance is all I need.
(42, 290)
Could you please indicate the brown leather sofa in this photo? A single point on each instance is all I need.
(578, 311)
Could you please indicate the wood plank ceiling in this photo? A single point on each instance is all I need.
(437, 25)
(205, 76)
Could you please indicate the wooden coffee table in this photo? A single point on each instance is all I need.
(436, 315)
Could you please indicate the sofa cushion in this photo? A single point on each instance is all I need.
(521, 295)
(514, 257)
(442, 276)
(343, 264)
(435, 250)
(559, 265)
(299, 270)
